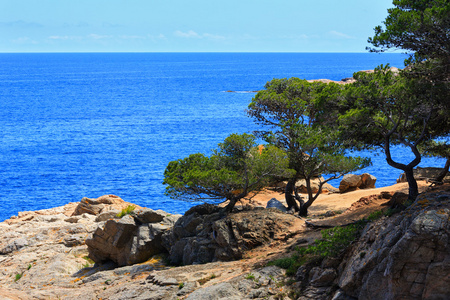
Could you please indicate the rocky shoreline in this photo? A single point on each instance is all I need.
(48, 254)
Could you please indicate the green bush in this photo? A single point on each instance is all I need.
(333, 242)
(375, 215)
(126, 211)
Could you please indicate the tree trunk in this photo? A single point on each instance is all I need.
(408, 169)
(444, 172)
(232, 203)
(304, 207)
(412, 184)
(290, 199)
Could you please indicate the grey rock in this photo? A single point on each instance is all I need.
(219, 291)
(73, 240)
(161, 280)
(404, 255)
(14, 246)
(340, 295)
(111, 214)
(147, 215)
(428, 173)
(197, 238)
(276, 204)
(127, 241)
(322, 277)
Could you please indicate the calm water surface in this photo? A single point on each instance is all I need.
(76, 125)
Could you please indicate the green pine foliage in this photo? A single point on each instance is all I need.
(237, 167)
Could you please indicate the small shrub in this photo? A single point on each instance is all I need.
(29, 266)
(391, 211)
(126, 211)
(181, 285)
(250, 276)
(89, 260)
(333, 242)
(205, 280)
(375, 215)
(18, 276)
(86, 265)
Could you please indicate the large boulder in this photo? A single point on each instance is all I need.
(274, 203)
(351, 182)
(205, 233)
(131, 239)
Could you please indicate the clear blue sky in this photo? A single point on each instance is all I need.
(188, 25)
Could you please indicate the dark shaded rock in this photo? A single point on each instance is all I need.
(126, 241)
(398, 200)
(428, 173)
(274, 203)
(212, 236)
(322, 277)
(147, 215)
(340, 295)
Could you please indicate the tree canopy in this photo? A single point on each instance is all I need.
(423, 29)
(235, 169)
(386, 108)
(289, 110)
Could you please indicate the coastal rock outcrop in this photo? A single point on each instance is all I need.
(206, 234)
(405, 256)
(351, 182)
(132, 239)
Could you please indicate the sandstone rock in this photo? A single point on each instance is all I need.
(368, 181)
(300, 185)
(350, 182)
(101, 204)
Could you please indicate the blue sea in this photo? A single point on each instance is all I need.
(79, 125)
